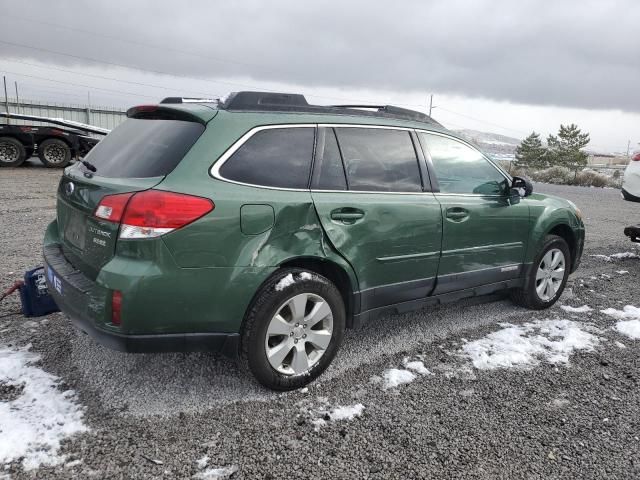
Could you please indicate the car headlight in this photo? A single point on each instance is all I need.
(578, 213)
(576, 210)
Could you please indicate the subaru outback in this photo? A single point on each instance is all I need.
(261, 226)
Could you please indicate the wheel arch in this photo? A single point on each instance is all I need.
(55, 137)
(335, 273)
(564, 231)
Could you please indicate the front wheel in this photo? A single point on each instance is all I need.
(547, 277)
(293, 329)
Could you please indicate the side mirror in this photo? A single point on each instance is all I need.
(523, 185)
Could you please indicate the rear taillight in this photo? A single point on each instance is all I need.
(152, 213)
(112, 207)
(116, 307)
(636, 157)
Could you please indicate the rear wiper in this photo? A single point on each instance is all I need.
(90, 166)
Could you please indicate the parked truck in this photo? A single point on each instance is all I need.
(56, 147)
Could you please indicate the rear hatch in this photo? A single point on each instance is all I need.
(135, 156)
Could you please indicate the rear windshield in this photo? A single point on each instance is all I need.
(144, 148)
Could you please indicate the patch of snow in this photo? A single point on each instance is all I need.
(33, 425)
(529, 344)
(629, 312)
(625, 255)
(216, 473)
(396, 376)
(346, 413)
(418, 367)
(202, 462)
(620, 345)
(73, 463)
(616, 256)
(622, 272)
(630, 328)
(582, 309)
(286, 281)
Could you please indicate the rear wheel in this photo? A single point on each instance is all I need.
(547, 277)
(292, 330)
(54, 153)
(12, 152)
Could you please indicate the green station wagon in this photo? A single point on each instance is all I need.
(261, 227)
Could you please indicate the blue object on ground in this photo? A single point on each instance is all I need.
(34, 294)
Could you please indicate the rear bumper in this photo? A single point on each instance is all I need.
(84, 301)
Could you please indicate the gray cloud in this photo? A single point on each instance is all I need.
(572, 53)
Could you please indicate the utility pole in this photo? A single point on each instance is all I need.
(6, 99)
(17, 98)
(628, 147)
(430, 103)
(89, 107)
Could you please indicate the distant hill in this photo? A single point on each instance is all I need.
(491, 142)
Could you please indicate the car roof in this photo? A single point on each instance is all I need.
(284, 104)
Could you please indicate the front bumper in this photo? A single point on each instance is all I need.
(84, 300)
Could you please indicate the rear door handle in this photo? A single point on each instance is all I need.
(457, 213)
(347, 215)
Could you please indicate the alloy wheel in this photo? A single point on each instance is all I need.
(299, 334)
(550, 274)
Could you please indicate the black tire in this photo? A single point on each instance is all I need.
(54, 153)
(267, 302)
(12, 152)
(628, 197)
(528, 296)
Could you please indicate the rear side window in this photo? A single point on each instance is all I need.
(378, 159)
(462, 169)
(144, 148)
(328, 172)
(275, 157)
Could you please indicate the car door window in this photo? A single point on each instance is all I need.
(328, 170)
(275, 157)
(462, 169)
(378, 159)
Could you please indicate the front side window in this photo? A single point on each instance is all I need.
(275, 157)
(462, 169)
(378, 159)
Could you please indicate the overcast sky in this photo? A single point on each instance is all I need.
(503, 66)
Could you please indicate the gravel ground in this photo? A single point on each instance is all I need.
(550, 421)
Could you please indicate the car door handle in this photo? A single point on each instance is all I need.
(347, 215)
(457, 213)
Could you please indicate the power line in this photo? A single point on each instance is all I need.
(161, 72)
(133, 42)
(83, 85)
(111, 78)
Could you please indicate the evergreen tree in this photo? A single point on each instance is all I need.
(531, 154)
(565, 149)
